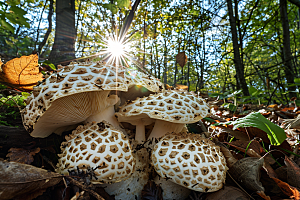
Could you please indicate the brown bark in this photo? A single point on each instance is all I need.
(239, 67)
(287, 54)
(63, 50)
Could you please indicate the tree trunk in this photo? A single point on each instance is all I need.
(239, 67)
(46, 37)
(287, 54)
(63, 50)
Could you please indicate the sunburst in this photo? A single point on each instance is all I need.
(116, 50)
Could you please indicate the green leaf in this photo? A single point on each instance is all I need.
(112, 7)
(123, 3)
(7, 26)
(276, 134)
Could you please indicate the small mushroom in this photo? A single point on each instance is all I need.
(100, 149)
(78, 93)
(190, 161)
(171, 110)
(132, 187)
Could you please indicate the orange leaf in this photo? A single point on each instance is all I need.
(291, 191)
(21, 73)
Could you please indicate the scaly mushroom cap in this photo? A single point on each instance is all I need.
(68, 89)
(149, 82)
(191, 161)
(98, 147)
(177, 106)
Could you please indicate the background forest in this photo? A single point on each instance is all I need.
(239, 48)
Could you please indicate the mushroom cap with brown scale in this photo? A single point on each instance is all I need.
(100, 148)
(72, 95)
(171, 109)
(191, 161)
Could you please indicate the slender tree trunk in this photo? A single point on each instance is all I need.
(42, 44)
(165, 62)
(287, 54)
(63, 50)
(239, 67)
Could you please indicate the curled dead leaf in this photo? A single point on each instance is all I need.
(247, 173)
(291, 191)
(22, 155)
(21, 73)
(22, 181)
(181, 58)
(293, 172)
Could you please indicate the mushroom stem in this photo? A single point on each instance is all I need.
(108, 114)
(162, 127)
(140, 132)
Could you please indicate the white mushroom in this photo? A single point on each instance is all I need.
(80, 92)
(171, 110)
(132, 187)
(191, 161)
(99, 148)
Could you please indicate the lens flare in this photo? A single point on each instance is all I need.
(116, 50)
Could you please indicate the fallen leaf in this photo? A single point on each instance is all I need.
(263, 195)
(247, 173)
(247, 146)
(291, 191)
(22, 155)
(182, 87)
(21, 73)
(22, 181)
(228, 193)
(181, 59)
(293, 172)
(151, 191)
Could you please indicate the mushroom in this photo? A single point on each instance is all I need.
(78, 93)
(100, 149)
(191, 161)
(171, 110)
(132, 187)
(142, 85)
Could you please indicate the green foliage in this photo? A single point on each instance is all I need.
(9, 107)
(276, 134)
(13, 16)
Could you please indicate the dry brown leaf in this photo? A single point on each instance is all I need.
(182, 87)
(181, 58)
(247, 173)
(22, 155)
(293, 172)
(230, 160)
(263, 195)
(254, 146)
(228, 193)
(291, 191)
(22, 181)
(21, 73)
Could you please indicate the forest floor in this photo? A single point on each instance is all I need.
(260, 165)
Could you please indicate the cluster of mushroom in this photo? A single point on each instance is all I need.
(90, 94)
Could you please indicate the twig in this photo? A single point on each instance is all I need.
(239, 186)
(78, 184)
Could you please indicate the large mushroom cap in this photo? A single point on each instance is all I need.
(177, 106)
(191, 161)
(98, 147)
(72, 95)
